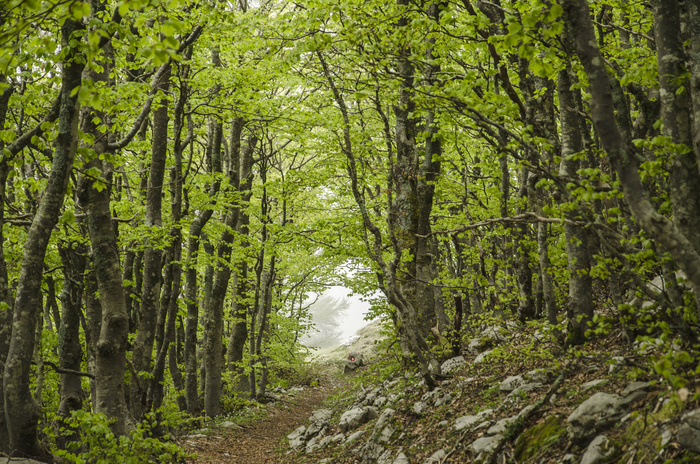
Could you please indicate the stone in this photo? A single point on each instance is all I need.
(484, 445)
(511, 383)
(596, 413)
(568, 459)
(599, 451)
(446, 398)
(635, 387)
(296, 438)
(354, 418)
(524, 388)
(337, 438)
(443, 423)
(401, 459)
(500, 426)
(594, 384)
(321, 415)
(315, 428)
(482, 357)
(537, 376)
(326, 441)
(353, 361)
(380, 402)
(312, 445)
(467, 421)
(419, 408)
(354, 437)
(452, 364)
(436, 457)
(384, 422)
(229, 425)
(689, 431)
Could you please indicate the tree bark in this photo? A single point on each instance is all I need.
(21, 411)
(150, 293)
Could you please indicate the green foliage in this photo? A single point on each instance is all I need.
(98, 445)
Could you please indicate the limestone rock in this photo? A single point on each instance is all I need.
(599, 451)
(436, 457)
(419, 408)
(482, 357)
(355, 436)
(594, 384)
(451, 364)
(689, 432)
(296, 438)
(401, 459)
(467, 421)
(635, 387)
(354, 418)
(484, 445)
(596, 413)
(511, 383)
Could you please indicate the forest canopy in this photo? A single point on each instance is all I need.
(178, 177)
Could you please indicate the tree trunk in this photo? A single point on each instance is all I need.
(70, 351)
(150, 293)
(21, 411)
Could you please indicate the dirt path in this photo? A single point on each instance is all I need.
(256, 443)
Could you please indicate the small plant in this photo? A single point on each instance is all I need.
(98, 445)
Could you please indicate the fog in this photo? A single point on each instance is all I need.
(337, 317)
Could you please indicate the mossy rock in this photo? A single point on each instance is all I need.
(539, 437)
(644, 435)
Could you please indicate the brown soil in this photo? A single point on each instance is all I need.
(260, 441)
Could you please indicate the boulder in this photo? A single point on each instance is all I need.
(354, 418)
(596, 413)
(482, 357)
(354, 437)
(511, 383)
(436, 457)
(689, 431)
(401, 459)
(484, 445)
(467, 421)
(594, 383)
(451, 364)
(419, 408)
(383, 429)
(353, 361)
(600, 450)
(296, 438)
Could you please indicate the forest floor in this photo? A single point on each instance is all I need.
(258, 442)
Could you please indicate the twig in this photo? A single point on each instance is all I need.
(524, 217)
(61, 370)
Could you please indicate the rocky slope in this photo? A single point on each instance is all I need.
(513, 396)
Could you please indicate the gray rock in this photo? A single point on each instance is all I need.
(354, 418)
(337, 438)
(312, 445)
(229, 425)
(384, 422)
(296, 438)
(446, 398)
(401, 459)
(385, 458)
(326, 441)
(436, 457)
(594, 384)
(524, 388)
(500, 426)
(598, 451)
(354, 361)
(484, 445)
(321, 415)
(315, 428)
(635, 387)
(451, 364)
(689, 431)
(482, 357)
(467, 421)
(511, 383)
(568, 459)
(354, 437)
(380, 402)
(443, 423)
(537, 376)
(419, 407)
(596, 413)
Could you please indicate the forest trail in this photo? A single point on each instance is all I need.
(258, 441)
